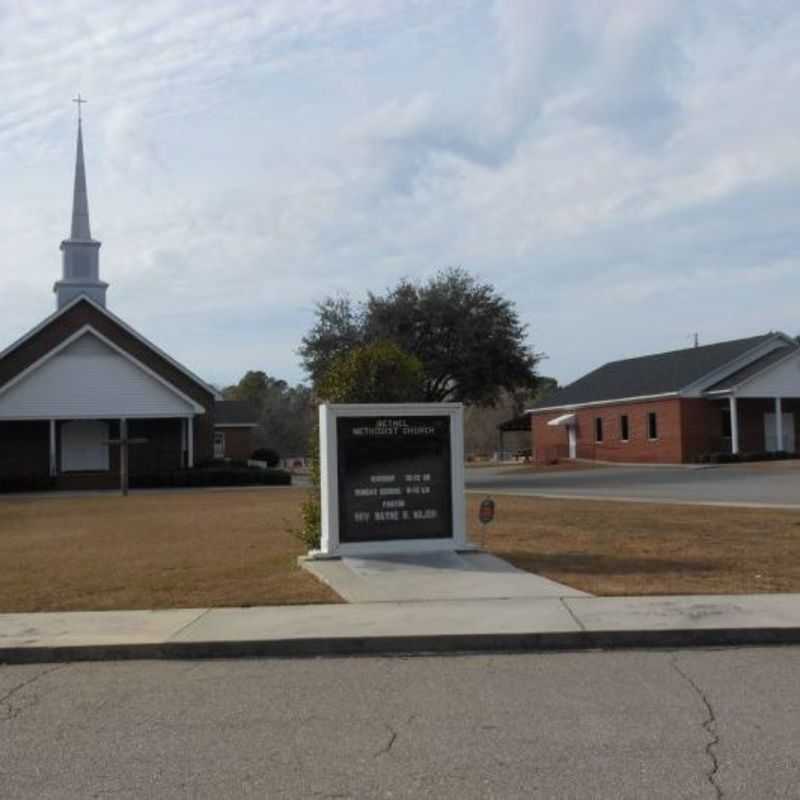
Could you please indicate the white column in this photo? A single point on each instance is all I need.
(190, 433)
(778, 424)
(734, 425)
(53, 461)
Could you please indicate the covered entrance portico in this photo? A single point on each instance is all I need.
(81, 453)
(759, 424)
(760, 410)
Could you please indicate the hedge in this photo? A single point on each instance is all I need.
(186, 478)
(740, 458)
(28, 483)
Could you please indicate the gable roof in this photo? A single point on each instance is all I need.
(654, 375)
(62, 312)
(234, 412)
(87, 375)
(754, 368)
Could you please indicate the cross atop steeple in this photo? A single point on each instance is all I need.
(80, 267)
(80, 101)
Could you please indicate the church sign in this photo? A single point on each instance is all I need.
(392, 478)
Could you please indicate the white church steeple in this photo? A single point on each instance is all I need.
(80, 253)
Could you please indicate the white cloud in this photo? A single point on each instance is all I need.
(247, 158)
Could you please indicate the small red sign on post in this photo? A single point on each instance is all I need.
(486, 514)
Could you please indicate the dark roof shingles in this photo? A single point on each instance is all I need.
(661, 373)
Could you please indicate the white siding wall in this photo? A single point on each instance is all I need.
(89, 379)
(783, 380)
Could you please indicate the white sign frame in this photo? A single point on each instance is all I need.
(330, 545)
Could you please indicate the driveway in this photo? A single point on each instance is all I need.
(776, 484)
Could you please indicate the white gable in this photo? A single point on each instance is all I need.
(88, 378)
(780, 380)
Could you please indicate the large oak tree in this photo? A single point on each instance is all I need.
(468, 338)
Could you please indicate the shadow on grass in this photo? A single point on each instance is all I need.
(587, 564)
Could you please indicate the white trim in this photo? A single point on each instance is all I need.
(329, 474)
(734, 411)
(564, 419)
(198, 409)
(124, 325)
(62, 417)
(610, 402)
(695, 389)
(223, 445)
(235, 424)
(774, 365)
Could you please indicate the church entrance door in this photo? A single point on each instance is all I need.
(84, 446)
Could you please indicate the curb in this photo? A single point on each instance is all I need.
(406, 645)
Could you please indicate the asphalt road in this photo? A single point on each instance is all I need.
(693, 724)
(741, 483)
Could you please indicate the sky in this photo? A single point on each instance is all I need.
(627, 173)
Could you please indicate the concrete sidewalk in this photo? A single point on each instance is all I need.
(415, 577)
(547, 623)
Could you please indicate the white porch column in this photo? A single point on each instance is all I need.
(734, 425)
(53, 461)
(778, 424)
(190, 443)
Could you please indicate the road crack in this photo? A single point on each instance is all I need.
(709, 726)
(386, 749)
(11, 711)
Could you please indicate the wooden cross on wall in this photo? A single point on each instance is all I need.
(124, 442)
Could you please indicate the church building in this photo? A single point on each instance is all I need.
(82, 378)
(733, 399)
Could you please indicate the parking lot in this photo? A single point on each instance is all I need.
(776, 483)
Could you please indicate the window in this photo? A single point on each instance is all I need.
(624, 430)
(652, 425)
(598, 429)
(726, 423)
(219, 444)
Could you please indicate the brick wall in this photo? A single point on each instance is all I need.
(667, 448)
(238, 443)
(702, 427)
(687, 428)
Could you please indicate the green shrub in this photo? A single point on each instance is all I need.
(267, 454)
(27, 483)
(209, 477)
(375, 373)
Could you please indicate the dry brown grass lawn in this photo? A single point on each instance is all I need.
(609, 548)
(164, 550)
(194, 549)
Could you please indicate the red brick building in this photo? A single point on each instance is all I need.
(82, 377)
(740, 396)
